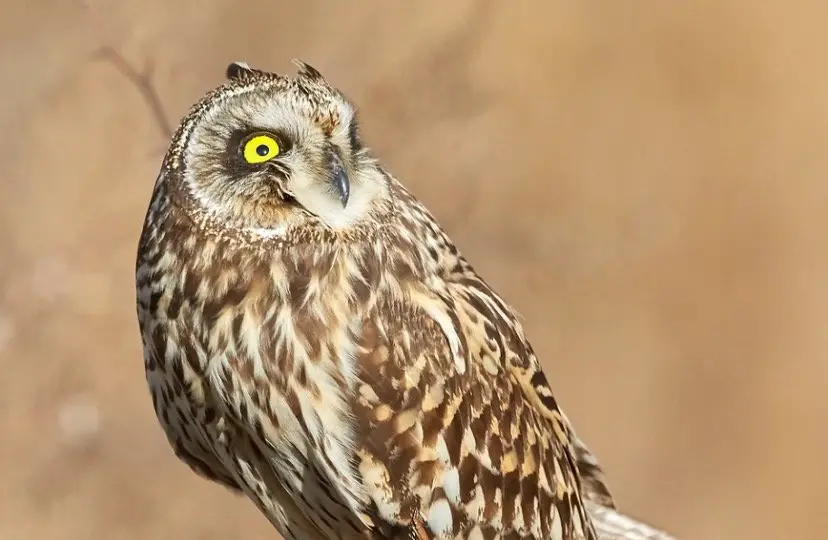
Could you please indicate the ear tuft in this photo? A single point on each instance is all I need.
(308, 71)
(241, 71)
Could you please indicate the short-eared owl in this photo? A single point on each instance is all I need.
(313, 338)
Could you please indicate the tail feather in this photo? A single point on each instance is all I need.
(612, 525)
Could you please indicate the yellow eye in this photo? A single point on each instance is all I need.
(260, 148)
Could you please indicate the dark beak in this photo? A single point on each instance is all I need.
(339, 179)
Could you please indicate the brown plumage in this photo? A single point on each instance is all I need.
(314, 340)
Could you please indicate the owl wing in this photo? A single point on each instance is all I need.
(461, 434)
(592, 476)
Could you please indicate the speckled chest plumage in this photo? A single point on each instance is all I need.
(220, 321)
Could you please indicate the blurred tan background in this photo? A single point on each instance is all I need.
(647, 182)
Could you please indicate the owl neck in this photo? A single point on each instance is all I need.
(315, 280)
(316, 274)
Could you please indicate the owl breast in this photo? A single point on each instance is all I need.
(250, 372)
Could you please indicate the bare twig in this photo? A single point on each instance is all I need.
(143, 83)
(142, 80)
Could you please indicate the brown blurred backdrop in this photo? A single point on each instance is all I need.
(646, 182)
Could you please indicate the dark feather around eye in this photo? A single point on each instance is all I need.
(237, 139)
(232, 159)
(353, 135)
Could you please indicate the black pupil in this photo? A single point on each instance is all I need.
(262, 150)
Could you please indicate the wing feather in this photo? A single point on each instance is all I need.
(474, 451)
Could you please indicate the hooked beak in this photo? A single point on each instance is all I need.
(339, 178)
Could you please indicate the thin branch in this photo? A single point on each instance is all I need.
(143, 83)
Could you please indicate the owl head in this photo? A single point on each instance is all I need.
(265, 152)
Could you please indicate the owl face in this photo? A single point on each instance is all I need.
(267, 152)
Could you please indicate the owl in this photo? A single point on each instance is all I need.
(315, 341)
